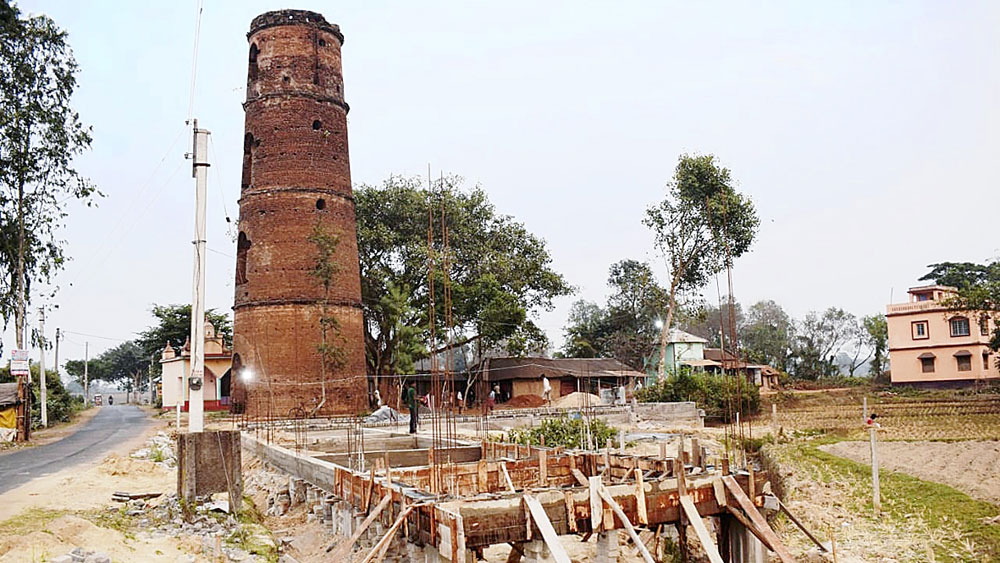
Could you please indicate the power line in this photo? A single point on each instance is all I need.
(194, 58)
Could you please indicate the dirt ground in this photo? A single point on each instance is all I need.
(970, 467)
(52, 515)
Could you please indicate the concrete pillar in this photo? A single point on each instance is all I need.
(744, 546)
(536, 552)
(607, 547)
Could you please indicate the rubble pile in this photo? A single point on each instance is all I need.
(158, 449)
(79, 555)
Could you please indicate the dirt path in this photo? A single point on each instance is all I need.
(970, 467)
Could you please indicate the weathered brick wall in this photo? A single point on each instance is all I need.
(296, 174)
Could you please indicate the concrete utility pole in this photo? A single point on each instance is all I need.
(876, 489)
(57, 352)
(41, 367)
(199, 170)
(86, 379)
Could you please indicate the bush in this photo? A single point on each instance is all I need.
(712, 392)
(563, 431)
(61, 405)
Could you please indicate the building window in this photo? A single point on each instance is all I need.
(254, 51)
(964, 363)
(984, 326)
(960, 326)
(919, 330)
(986, 361)
(927, 365)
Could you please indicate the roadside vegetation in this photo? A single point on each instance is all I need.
(720, 395)
(563, 431)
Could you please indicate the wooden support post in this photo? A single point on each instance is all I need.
(579, 476)
(596, 508)
(679, 473)
(621, 442)
(506, 477)
(482, 476)
(628, 525)
(725, 464)
(800, 526)
(607, 456)
(570, 511)
(543, 469)
(700, 530)
(876, 490)
(545, 527)
(346, 547)
(640, 497)
(516, 553)
(774, 420)
(758, 520)
(663, 450)
(720, 492)
(527, 517)
(695, 452)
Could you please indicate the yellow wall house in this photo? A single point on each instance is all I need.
(8, 412)
(932, 345)
(218, 361)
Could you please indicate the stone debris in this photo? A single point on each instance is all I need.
(79, 555)
(158, 449)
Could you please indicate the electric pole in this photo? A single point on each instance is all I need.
(41, 367)
(58, 335)
(86, 362)
(199, 170)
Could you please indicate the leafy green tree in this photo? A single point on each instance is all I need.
(877, 330)
(978, 295)
(60, 404)
(709, 321)
(500, 274)
(767, 335)
(626, 327)
(963, 275)
(819, 338)
(40, 135)
(719, 394)
(700, 227)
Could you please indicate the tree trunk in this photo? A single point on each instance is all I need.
(21, 301)
(665, 329)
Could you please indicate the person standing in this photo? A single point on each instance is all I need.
(412, 403)
(546, 390)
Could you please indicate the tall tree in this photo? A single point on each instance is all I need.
(979, 298)
(820, 337)
(40, 135)
(624, 329)
(877, 330)
(768, 334)
(963, 275)
(701, 226)
(499, 273)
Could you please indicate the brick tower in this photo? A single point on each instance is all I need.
(296, 175)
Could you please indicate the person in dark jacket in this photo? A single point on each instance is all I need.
(413, 404)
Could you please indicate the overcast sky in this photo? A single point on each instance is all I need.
(867, 134)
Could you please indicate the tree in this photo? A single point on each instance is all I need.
(500, 274)
(626, 327)
(877, 330)
(709, 322)
(979, 297)
(768, 334)
(40, 135)
(701, 226)
(126, 366)
(963, 275)
(330, 348)
(819, 338)
(174, 326)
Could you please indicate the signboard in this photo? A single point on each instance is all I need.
(19, 364)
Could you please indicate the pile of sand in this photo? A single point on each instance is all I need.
(117, 465)
(524, 401)
(577, 400)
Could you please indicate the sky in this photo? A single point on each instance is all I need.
(866, 134)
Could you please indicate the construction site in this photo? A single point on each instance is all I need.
(314, 455)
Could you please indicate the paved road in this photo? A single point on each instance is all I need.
(106, 430)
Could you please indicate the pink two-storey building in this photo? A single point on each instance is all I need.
(929, 344)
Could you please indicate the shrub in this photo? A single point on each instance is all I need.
(563, 431)
(712, 392)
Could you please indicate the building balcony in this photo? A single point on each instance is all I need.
(914, 307)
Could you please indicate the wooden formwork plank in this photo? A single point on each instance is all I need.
(545, 526)
(378, 552)
(699, 529)
(580, 477)
(596, 508)
(506, 476)
(640, 497)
